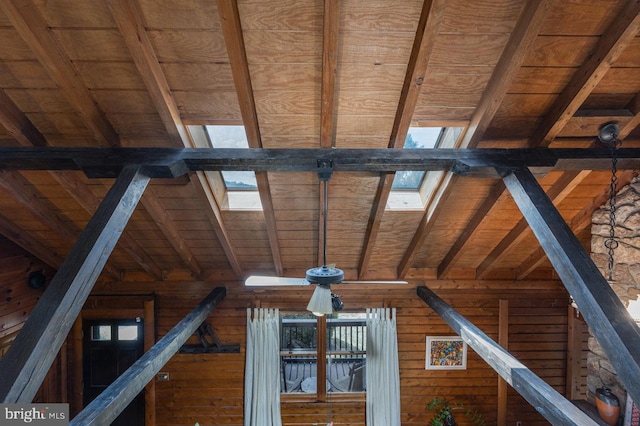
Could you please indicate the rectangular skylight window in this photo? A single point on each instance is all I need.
(417, 137)
(232, 137)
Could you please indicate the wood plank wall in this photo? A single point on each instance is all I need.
(208, 388)
(17, 300)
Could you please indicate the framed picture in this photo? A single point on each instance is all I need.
(446, 353)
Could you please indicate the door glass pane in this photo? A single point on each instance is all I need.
(127, 332)
(100, 333)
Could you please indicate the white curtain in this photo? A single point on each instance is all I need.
(262, 369)
(383, 375)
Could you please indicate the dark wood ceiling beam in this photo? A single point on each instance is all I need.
(516, 51)
(612, 43)
(34, 30)
(456, 251)
(29, 243)
(74, 185)
(607, 317)
(329, 72)
(168, 228)
(17, 123)
(175, 162)
(117, 396)
(129, 19)
(557, 192)
(518, 46)
(37, 204)
(551, 404)
(234, 41)
(25, 365)
(578, 223)
(428, 24)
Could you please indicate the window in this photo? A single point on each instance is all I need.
(233, 190)
(343, 349)
(411, 189)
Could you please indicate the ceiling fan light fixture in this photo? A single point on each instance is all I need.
(320, 302)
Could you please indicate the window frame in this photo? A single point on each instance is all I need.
(321, 352)
(227, 198)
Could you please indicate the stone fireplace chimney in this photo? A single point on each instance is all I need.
(625, 278)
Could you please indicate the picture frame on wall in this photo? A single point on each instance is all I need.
(446, 353)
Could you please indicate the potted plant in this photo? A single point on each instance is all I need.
(443, 413)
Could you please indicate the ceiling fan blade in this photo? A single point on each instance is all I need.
(261, 281)
(395, 282)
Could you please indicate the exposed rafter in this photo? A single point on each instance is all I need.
(169, 229)
(518, 47)
(520, 43)
(329, 70)
(457, 248)
(558, 192)
(34, 30)
(613, 42)
(579, 222)
(634, 107)
(17, 123)
(33, 201)
(90, 202)
(27, 134)
(130, 22)
(234, 40)
(30, 243)
(430, 17)
(129, 19)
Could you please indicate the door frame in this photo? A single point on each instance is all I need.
(114, 306)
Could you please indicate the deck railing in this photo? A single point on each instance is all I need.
(346, 354)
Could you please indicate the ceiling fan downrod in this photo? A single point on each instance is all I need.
(325, 275)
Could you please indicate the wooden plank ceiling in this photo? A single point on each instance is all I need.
(312, 74)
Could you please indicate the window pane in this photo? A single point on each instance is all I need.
(127, 332)
(417, 137)
(232, 137)
(298, 345)
(346, 373)
(346, 333)
(346, 349)
(100, 333)
(298, 333)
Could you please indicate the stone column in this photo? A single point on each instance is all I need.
(625, 277)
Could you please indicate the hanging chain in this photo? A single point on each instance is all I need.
(611, 243)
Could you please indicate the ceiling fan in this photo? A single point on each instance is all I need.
(323, 301)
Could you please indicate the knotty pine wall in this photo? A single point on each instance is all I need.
(208, 388)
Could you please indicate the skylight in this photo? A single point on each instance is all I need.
(417, 137)
(411, 190)
(232, 137)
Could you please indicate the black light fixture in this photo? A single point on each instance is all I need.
(36, 280)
